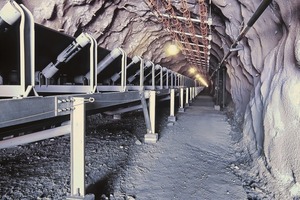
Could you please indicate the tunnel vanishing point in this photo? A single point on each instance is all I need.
(245, 53)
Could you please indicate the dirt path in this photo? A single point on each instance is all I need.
(192, 160)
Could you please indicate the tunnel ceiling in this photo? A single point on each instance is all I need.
(143, 29)
(263, 76)
(139, 28)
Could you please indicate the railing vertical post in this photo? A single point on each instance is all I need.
(172, 79)
(167, 82)
(153, 77)
(124, 70)
(161, 78)
(142, 74)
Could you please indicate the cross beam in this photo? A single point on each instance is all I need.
(209, 21)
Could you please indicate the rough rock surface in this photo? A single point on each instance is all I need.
(264, 76)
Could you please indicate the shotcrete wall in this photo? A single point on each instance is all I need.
(264, 76)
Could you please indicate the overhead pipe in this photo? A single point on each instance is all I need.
(261, 8)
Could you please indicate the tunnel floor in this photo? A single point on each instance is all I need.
(193, 159)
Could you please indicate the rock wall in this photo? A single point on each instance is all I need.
(265, 88)
(264, 76)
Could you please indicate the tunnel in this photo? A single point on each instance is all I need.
(243, 55)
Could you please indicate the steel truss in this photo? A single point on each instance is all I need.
(189, 33)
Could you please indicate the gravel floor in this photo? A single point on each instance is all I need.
(114, 162)
(41, 170)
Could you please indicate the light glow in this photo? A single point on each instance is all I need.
(201, 80)
(172, 49)
(192, 70)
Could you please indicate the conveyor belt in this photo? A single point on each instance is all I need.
(46, 73)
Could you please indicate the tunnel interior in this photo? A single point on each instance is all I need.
(259, 80)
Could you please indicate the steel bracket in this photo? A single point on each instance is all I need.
(63, 105)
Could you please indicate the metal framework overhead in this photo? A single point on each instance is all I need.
(189, 33)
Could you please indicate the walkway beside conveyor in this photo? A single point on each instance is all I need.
(191, 160)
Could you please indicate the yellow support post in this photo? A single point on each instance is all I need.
(152, 137)
(77, 148)
(172, 117)
(181, 108)
(187, 97)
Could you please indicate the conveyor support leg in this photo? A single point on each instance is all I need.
(152, 137)
(187, 97)
(194, 94)
(172, 117)
(181, 108)
(77, 149)
(191, 94)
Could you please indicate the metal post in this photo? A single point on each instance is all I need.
(77, 148)
(152, 137)
(172, 117)
(153, 77)
(152, 106)
(146, 113)
(124, 71)
(172, 79)
(181, 108)
(161, 78)
(191, 94)
(167, 82)
(141, 74)
(187, 97)
(93, 64)
(194, 92)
